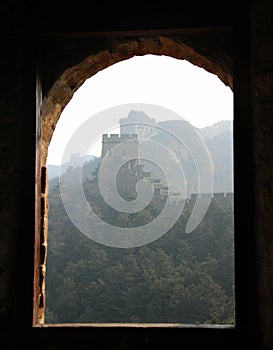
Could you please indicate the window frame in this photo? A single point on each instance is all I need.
(244, 332)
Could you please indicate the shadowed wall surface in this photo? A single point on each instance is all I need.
(71, 43)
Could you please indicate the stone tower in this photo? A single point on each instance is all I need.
(137, 123)
(110, 143)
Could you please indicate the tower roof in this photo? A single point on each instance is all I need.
(137, 117)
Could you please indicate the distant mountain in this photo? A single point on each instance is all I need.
(183, 139)
(53, 171)
(219, 140)
(75, 161)
(222, 127)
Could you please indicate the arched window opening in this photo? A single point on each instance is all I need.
(182, 276)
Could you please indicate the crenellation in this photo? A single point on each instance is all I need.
(118, 138)
(109, 143)
(219, 195)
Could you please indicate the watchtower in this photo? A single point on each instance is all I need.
(137, 122)
(110, 143)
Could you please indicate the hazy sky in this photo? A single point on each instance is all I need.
(196, 95)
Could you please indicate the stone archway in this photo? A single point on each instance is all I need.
(72, 78)
(211, 57)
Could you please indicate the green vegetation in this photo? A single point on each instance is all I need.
(179, 278)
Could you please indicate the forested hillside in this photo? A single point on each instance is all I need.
(179, 278)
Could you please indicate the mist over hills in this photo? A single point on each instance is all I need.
(75, 161)
(220, 145)
(218, 141)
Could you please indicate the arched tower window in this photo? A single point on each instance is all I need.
(174, 197)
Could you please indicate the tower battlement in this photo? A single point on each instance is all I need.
(109, 143)
(116, 138)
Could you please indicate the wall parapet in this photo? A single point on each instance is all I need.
(118, 138)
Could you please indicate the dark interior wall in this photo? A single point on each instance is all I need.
(262, 109)
(21, 24)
